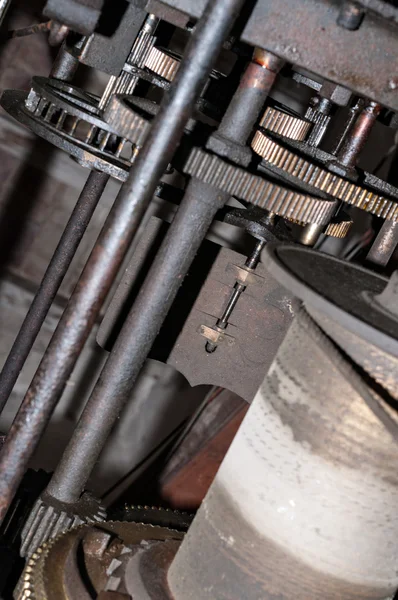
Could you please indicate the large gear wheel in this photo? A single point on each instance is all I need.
(325, 181)
(258, 191)
(53, 571)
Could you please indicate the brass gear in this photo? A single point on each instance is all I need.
(286, 125)
(339, 229)
(257, 190)
(163, 64)
(47, 570)
(325, 181)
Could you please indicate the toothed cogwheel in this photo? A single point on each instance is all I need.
(284, 124)
(325, 181)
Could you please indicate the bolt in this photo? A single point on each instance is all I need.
(350, 16)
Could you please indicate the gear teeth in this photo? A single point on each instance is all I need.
(339, 230)
(325, 181)
(46, 522)
(162, 64)
(286, 125)
(320, 124)
(257, 190)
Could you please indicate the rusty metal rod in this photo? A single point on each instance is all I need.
(121, 225)
(171, 264)
(50, 284)
(352, 147)
(146, 317)
(384, 245)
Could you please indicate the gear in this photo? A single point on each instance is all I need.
(320, 123)
(105, 551)
(295, 166)
(162, 63)
(286, 125)
(258, 191)
(48, 519)
(70, 119)
(339, 229)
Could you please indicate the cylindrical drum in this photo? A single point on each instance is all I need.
(305, 503)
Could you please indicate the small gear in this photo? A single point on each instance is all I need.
(48, 519)
(339, 229)
(162, 63)
(284, 124)
(320, 123)
(258, 191)
(325, 181)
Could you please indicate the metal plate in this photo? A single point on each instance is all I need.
(305, 33)
(341, 290)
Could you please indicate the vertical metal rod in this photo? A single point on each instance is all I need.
(384, 245)
(65, 65)
(145, 319)
(50, 284)
(239, 287)
(185, 235)
(357, 138)
(122, 223)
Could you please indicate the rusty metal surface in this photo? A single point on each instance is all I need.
(197, 456)
(306, 34)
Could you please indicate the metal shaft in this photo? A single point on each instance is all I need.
(222, 323)
(51, 282)
(122, 223)
(357, 138)
(384, 245)
(117, 379)
(65, 65)
(138, 334)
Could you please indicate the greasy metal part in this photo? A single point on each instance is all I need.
(84, 561)
(384, 244)
(48, 519)
(306, 34)
(51, 282)
(318, 178)
(236, 126)
(257, 190)
(351, 15)
(281, 519)
(80, 15)
(356, 140)
(135, 340)
(122, 223)
(65, 65)
(284, 124)
(239, 287)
